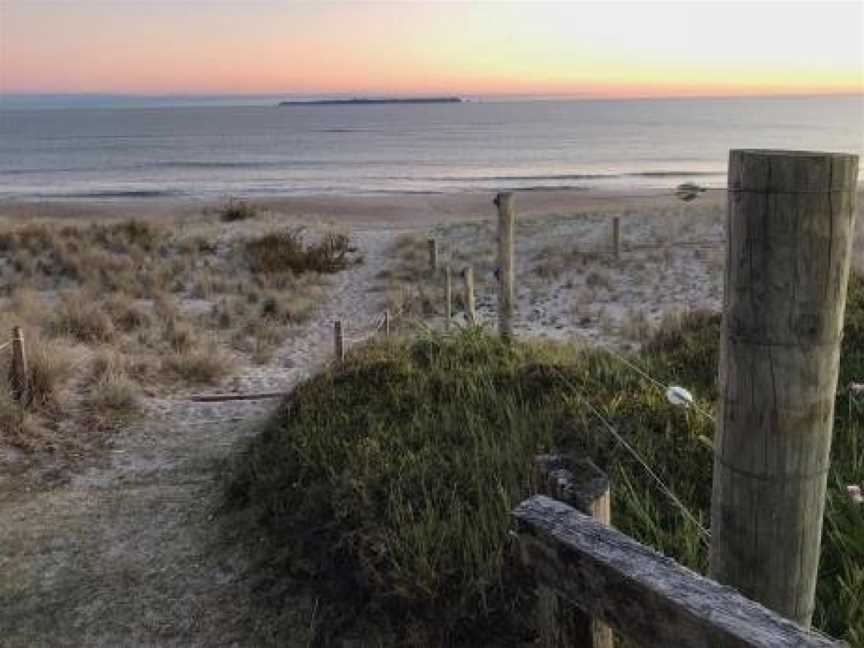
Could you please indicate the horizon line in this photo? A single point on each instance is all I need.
(466, 95)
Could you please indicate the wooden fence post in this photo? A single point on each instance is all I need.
(387, 323)
(448, 295)
(338, 341)
(506, 218)
(582, 485)
(790, 229)
(616, 237)
(470, 304)
(433, 255)
(19, 374)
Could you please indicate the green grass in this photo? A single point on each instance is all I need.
(385, 485)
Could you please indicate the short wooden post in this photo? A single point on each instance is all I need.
(616, 237)
(790, 228)
(448, 295)
(470, 304)
(433, 255)
(19, 374)
(506, 218)
(582, 485)
(338, 341)
(387, 323)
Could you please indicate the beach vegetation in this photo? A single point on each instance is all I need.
(383, 486)
(236, 209)
(287, 251)
(115, 309)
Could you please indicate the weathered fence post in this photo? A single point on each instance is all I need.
(448, 295)
(338, 341)
(582, 485)
(506, 218)
(790, 229)
(470, 304)
(387, 323)
(433, 255)
(616, 237)
(19, 374)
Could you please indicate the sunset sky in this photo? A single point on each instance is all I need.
(469, 48)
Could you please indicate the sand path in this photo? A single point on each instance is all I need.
(132, 553)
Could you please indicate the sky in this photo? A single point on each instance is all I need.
(609, 49)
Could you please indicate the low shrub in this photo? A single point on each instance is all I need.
(285, 250)
(236, 210)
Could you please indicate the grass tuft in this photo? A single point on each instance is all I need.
(199, 366)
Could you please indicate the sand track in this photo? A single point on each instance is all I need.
(132, 553)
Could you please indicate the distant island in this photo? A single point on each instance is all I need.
(373, 102)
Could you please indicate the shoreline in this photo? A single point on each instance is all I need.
(394, 210)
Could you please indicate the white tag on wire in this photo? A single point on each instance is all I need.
(679, 396)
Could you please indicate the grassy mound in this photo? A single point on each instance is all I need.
(386, 484)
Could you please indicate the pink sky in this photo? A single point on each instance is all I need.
(476, 48)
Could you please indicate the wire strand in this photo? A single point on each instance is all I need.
(705, 533)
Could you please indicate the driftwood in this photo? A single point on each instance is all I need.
(646, 597)
(219, 398)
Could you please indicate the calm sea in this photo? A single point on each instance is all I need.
(213, 151)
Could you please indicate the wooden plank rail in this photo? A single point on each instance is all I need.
(646, 597)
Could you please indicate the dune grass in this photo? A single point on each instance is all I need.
(116, 309)
(386, 483)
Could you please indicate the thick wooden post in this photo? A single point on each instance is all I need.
(448, 295)
(470, 304)
(387, 323)
(790, 228)
(616, 237)
(506, 218)
(338, 341)
(582, 485)
(19, 374)
(433, 255)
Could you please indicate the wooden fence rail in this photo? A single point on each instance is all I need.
(642, 595)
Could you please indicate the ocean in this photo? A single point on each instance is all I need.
(212, 151)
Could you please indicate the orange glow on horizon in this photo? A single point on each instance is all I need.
(578, 49)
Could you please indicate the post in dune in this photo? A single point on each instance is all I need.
(19, 374)
(387, 323)
(470, 304)
(448, 296)
(506, 220)
(582, 485)
(790, 228)
(338, 341)
(433, 255)
(616, 238)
